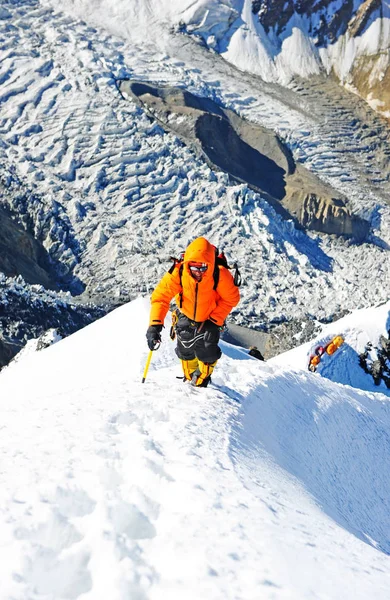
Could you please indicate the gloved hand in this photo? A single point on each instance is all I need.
(211, 332)
(153, 336)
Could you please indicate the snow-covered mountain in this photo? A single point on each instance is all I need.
(109, 195)
(350, 40)
(272, 483)
(276, 39)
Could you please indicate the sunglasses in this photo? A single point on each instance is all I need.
(201, 269)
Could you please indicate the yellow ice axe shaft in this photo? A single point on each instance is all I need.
(147, 366)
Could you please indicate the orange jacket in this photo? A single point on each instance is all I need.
(197, 300)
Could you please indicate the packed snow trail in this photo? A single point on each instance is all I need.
(264, 485)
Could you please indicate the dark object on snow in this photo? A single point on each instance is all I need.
(378, 368)
(385, 346)
(254, 351)
(363, 361)
(376, 371)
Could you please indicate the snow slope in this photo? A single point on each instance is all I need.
(358, 329)
(230, 28)
(153, 20)
(272, 483)
(111, 195)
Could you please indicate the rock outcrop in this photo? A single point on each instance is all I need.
(251, 154)
(358, 57)
(28, 311)
(331, 22)
(316, 208)
(21, 254)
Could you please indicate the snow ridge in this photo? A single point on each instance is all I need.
(261, 483)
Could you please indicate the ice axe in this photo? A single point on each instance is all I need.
(157, 345)
(147, 365)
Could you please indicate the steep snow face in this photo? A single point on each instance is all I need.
(115, 196)
(155, 18)
(361, 328)
(271, 483)
(248, 46)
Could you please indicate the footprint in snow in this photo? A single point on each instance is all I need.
(71, 502)
(55, 565)
(129, 521)
(124, 418)
(48, 575)
(159, 470)
(56, 534)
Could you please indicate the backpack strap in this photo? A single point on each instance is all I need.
(237, 275)
(221, 261)
(216, 270)
(178, 262)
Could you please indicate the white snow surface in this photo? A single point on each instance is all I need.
(124, 195)
(272, 483)
(230, 27)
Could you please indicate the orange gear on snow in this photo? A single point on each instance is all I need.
(338, 341)
(314, 361)
(329, 349)
(196, 300)
(334, 345)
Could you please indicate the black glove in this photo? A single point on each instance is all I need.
(211, 332)
(153, 336)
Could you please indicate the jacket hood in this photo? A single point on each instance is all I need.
(200, 250)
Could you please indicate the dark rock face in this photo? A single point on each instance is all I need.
(316, 211)
(37, 237)
(7, 352)
(21, 254)
(251, 154)
(31, 277)
(275, 14)
(230, 153)
(28, 311)
(375, 361)
(359, 21)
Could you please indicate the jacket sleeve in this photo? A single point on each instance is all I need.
(163, 293)
(228, 297)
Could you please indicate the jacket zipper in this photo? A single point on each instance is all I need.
(196, 300)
